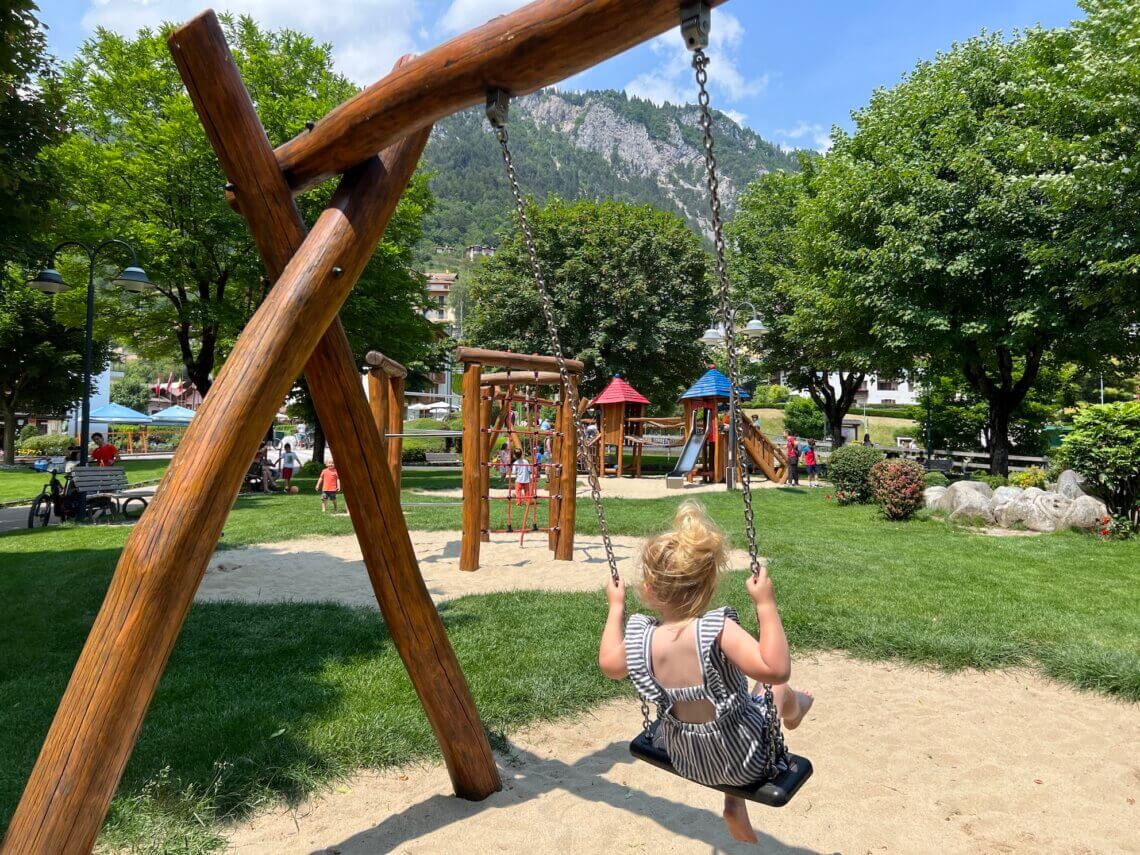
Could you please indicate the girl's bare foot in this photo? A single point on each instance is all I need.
(803, 700)
(736, 818)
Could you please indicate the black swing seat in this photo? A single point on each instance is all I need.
(774, 792)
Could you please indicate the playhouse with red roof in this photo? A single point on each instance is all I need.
(621, 410)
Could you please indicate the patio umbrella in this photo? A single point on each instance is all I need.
(117, 414)
(175, 415)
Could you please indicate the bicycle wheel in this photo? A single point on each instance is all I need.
(40, 512)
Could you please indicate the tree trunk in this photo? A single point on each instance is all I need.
(1000, 410)
(835, 407)
(9, 434)
(318, 441)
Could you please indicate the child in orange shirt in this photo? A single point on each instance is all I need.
(328, 483)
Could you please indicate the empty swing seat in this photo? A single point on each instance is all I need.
(774, 792)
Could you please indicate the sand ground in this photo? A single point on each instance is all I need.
(906, 760)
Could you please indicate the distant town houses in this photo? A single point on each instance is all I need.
(478, 251)
(438, 287)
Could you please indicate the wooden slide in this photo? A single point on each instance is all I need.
(768, 457)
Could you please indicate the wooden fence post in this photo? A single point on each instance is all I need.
(472, 480)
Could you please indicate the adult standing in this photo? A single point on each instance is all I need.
(792, 450)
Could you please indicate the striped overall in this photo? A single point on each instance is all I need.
(730, 749)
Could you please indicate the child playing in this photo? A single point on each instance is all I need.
(810, 463)
(692, 663)
(289, 463)
(523, 473)
(328, 483)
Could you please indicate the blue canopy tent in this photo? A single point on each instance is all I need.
(174, 415)
(117, 414)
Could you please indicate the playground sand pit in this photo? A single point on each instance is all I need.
(330, 569)
(906, 760)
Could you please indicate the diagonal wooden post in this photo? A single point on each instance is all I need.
(264, 199)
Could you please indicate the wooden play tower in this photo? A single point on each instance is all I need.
(621, 411)
(371, 144)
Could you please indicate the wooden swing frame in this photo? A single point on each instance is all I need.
(373, 141)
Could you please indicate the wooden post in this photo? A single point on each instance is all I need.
(378, 404)
(569, 503)
(396, 425)
(554, 482)
(472, 445)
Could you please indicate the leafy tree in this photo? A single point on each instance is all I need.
(961, 249)
(135, 386)
(29, 122)
(137, 164)
(41, 359)
(630, 289)
(803, 418)
(788, 260)
(1104, 446)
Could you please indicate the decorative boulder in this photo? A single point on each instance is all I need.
(1085, 513)
(1037, 511)
(1003, 496)
(931, 495)
(1070, 484)
(972, 508)
(950, 500)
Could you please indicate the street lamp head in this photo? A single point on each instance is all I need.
(711, 336)
(755, 328)
(49, 281)
(133, 279)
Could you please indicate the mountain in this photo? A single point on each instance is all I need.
(592, 145)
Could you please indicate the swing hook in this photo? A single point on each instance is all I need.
(696, 24)
(498, 105)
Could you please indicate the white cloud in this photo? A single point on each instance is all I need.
(368, 36)
(465, 14)
(736, 116)
(672, 78)
(806, 135)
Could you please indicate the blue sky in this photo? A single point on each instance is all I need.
(788, 70)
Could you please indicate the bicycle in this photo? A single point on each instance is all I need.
(66, 503)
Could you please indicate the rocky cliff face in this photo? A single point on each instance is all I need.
(589, 145)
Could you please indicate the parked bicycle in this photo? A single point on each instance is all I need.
(63, 501)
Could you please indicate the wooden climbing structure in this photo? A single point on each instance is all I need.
(372, 144)
(621, 411)
(495, 407)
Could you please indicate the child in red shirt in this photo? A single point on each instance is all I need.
(812, 466)
(327, 485)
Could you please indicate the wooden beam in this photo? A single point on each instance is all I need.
(378, 405)
(542, 378)
(535, 46)
(392, 368)
(396, 420)
(371, 493)
(472, 479)
(568, 506)
(486, 443)
(526, 362)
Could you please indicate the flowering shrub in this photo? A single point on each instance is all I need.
(843, 497)
(1034, 476)
(1115, 528)
(849, 469)
(897, 486)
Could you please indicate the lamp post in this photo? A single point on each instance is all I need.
(49, 281)
(713, 336)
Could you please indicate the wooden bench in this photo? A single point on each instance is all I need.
(104, 487)
(441, 458)
(936, 465)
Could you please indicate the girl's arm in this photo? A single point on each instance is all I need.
(768, 659)
(611, 650)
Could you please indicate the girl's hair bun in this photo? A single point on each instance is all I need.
(680, 568)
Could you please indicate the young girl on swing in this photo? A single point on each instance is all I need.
(694, 662)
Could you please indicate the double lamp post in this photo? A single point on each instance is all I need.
(49, 281)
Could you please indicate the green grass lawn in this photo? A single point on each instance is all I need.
(881, 428)
(264, 701)
(15, 484)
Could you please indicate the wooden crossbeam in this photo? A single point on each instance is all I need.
(520, 52)
(522, 362)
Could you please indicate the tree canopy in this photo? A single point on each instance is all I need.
(630, 288)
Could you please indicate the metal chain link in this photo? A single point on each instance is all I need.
(556, 344)
(776, 748)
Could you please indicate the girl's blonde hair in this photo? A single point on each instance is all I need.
(680, 568)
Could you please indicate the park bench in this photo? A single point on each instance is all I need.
(937, 465)
(441, 458)
(105, 488)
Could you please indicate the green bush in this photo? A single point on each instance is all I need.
(994, 481)
(47, 445)
(803, 418)
(1034, 476)
(27, 432)
(849, 469)
(770, 396)
(897, 486)
(311, 469)
(935, 479)
(1104, 446)
(414, 453)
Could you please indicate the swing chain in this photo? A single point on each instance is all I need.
(777, 751)
(497, 101)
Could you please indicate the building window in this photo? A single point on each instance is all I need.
(888, 386)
